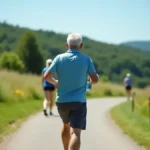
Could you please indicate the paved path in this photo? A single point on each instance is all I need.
(40, 133)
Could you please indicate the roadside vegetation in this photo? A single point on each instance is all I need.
(135, 124)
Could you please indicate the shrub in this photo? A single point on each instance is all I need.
(108, 92)
(142, 83)
(11, 61)
(5, 92)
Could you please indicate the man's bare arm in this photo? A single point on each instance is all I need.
(48, 77)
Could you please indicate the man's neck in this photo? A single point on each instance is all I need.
(74, 47)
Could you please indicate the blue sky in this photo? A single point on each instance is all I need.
(111, 21)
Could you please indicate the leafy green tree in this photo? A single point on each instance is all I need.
(11, 61)
(29, 53)
(146, 71)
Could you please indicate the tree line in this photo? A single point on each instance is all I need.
(26, 50)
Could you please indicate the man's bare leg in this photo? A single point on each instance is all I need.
(75, 139)
(65, 134)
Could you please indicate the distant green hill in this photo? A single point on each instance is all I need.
(143, 45)
(111, 60)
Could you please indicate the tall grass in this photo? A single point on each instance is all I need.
(103, 89)
(141, 100)
(28, 85)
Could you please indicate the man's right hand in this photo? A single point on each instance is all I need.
(89, 79)
(94, 77)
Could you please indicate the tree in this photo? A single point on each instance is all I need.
(11, 61)
(143, 82)
(29, 53)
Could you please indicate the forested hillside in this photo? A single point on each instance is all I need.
(110, 60)
(143, 45)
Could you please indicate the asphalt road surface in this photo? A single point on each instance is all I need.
(41, 133)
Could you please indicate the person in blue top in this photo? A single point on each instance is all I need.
(128, 85)
(72, 69)
(48, 91)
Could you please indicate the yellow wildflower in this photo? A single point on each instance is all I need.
(146, 103)
(19, 92)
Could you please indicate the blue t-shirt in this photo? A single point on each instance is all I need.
(72, 70)
(45, 83)
(128, 81)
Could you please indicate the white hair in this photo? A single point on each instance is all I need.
(74, 39)
(48, 61)
(128, 74)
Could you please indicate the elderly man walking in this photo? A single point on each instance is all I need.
(72, 69)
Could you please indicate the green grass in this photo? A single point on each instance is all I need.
(12, 114)
(134, 124)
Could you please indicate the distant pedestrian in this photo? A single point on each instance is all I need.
(128, 85)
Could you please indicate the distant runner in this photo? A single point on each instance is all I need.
(48, 91)
(72, 69)
(128, 85)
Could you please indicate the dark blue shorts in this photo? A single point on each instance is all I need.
(74, 112)
(49, 88)
(128, 87)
